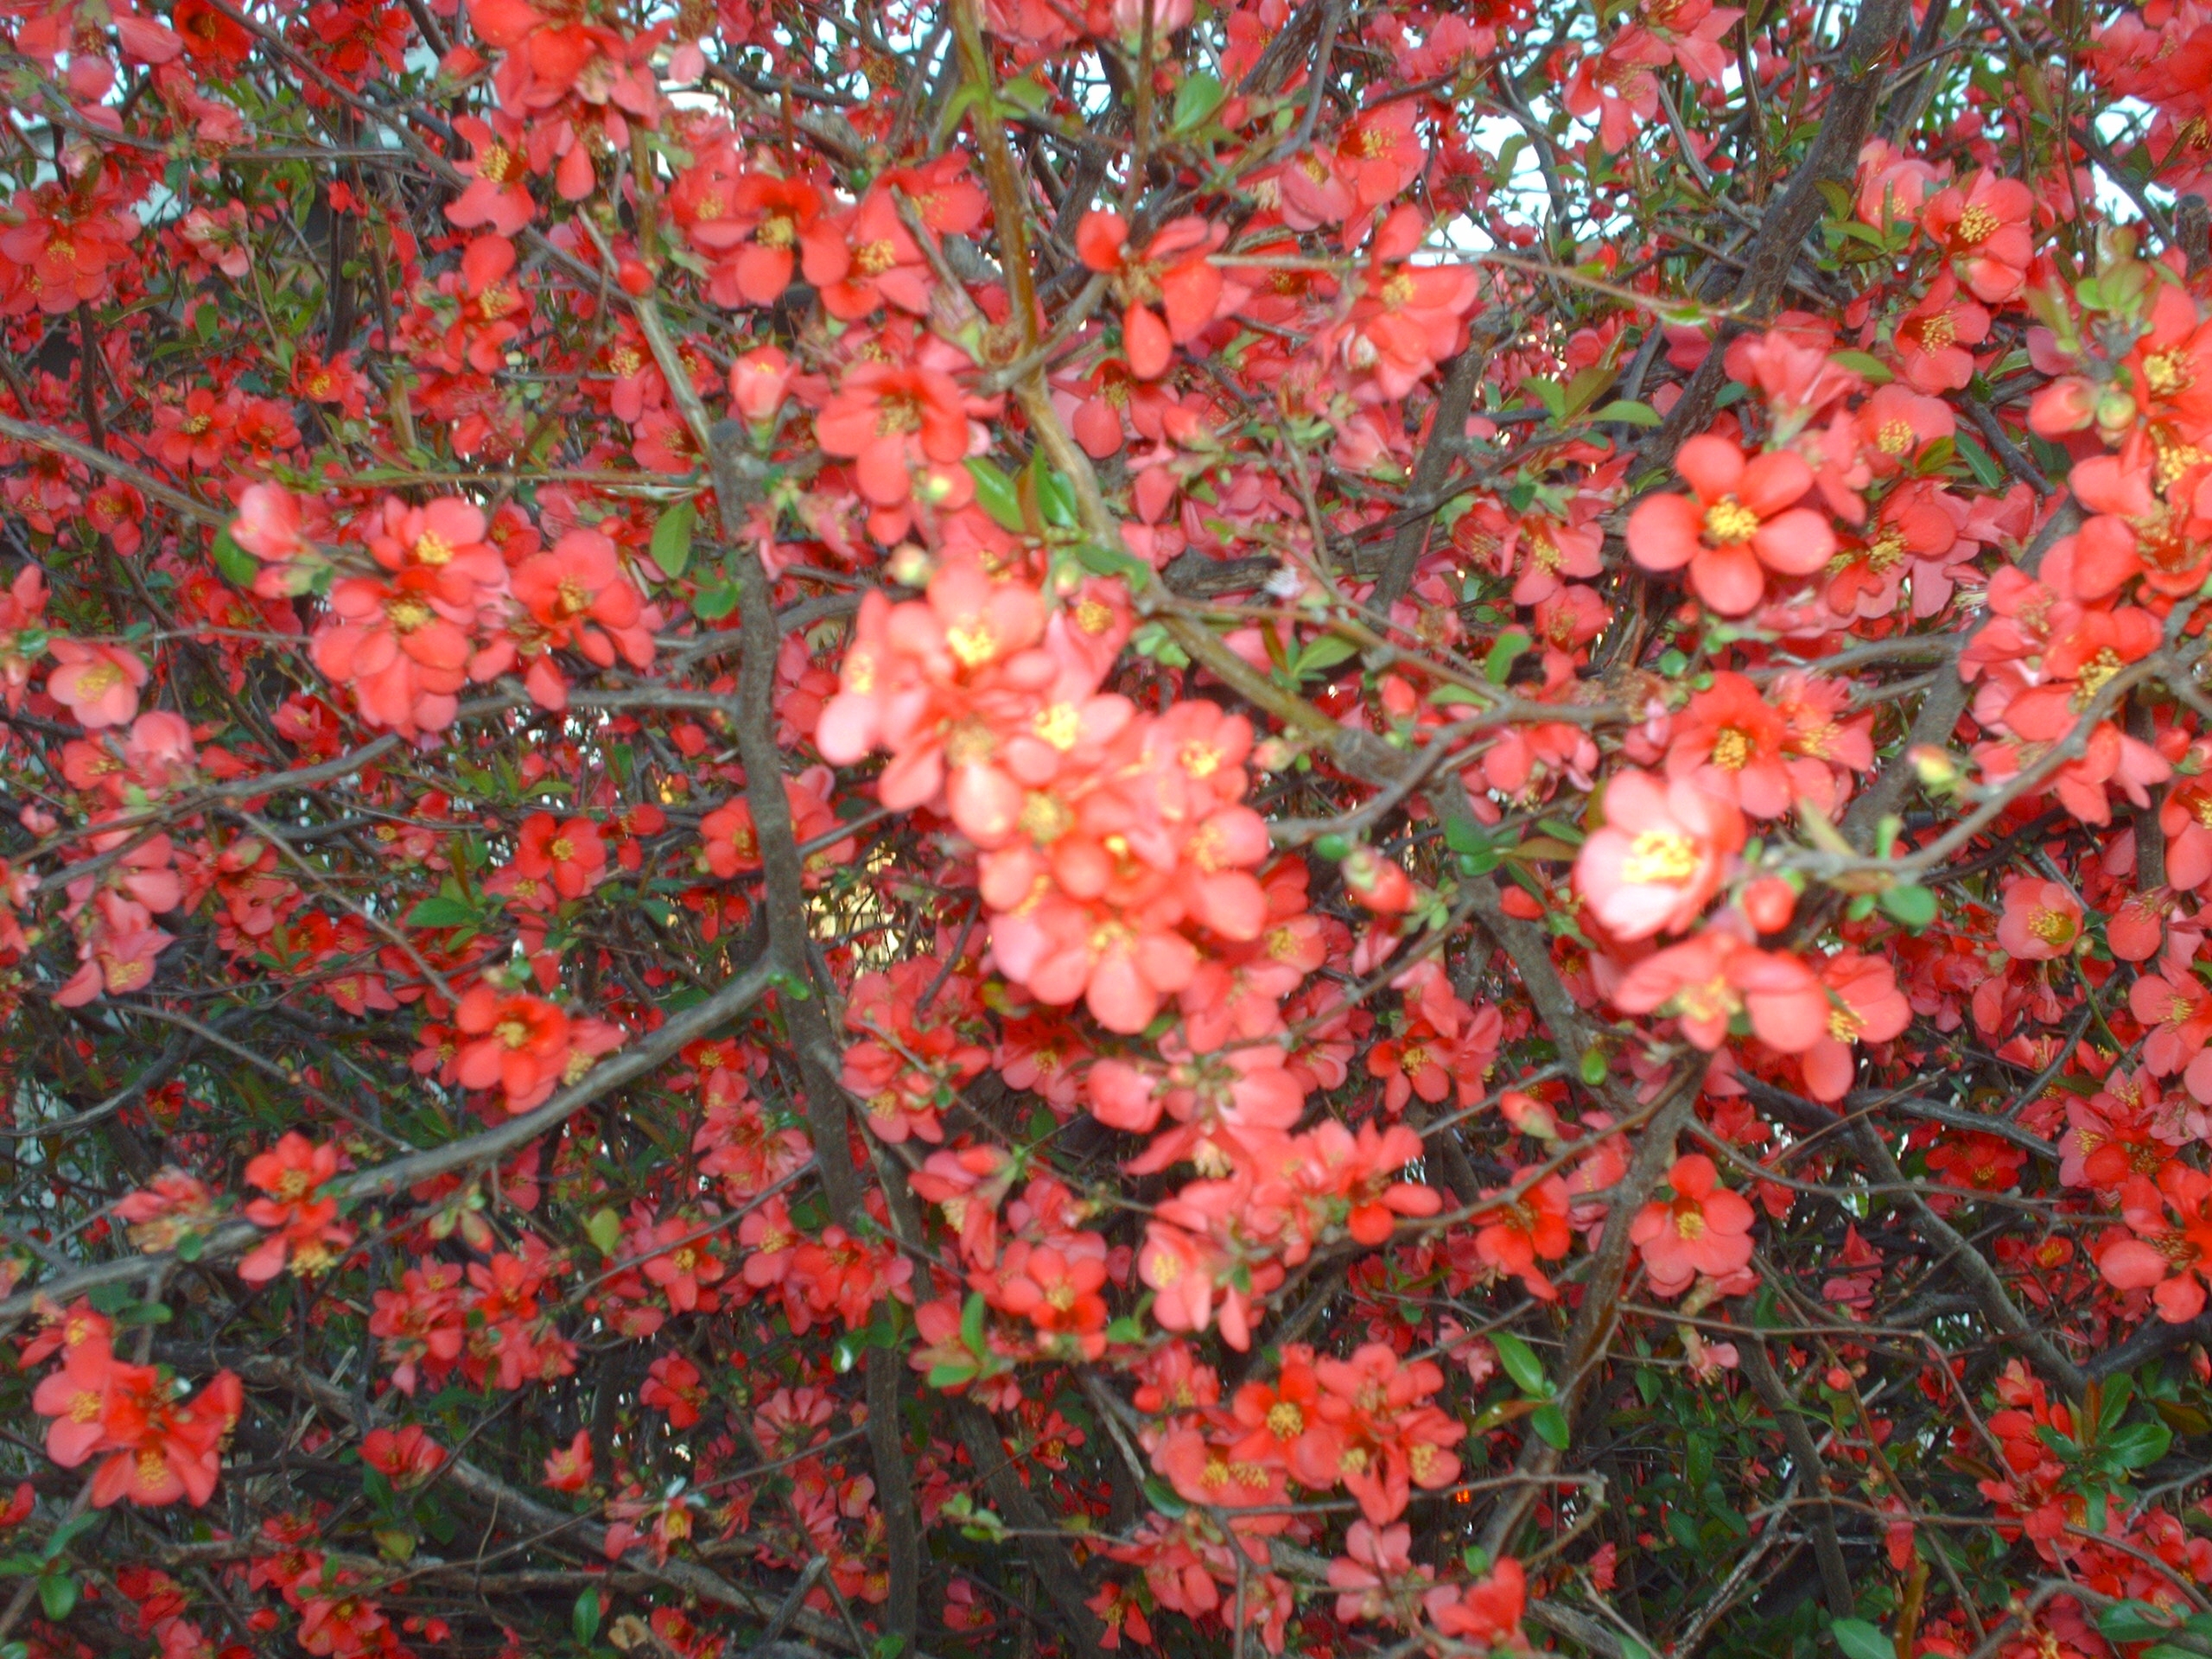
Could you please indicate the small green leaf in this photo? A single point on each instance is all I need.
(237, 565)
(1860, 1640)
(1161, 1496)
(2132, 1621)
(1633, 414)
(1870, 368)
(974, 1322)
(1319, 655)
(57, 1593)
(1979, 461)
(1521, 1364)
(716, 598)
(2138, 1444)
(1594, 1067)
(1549, 1420)
(605, 1230)
(1914, 906)
(995, 494)
(949, 1374)
(441, 913)
(672, 539)
(584, 1620)
(1503, 653)
(1196, 101)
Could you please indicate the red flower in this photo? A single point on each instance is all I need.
(1709, 980)
(1172, 273)
(672, 1384)
(577, 595)
(2171, 1259)
(305, 1225)
(1865, 1007)
(97, 683)
(1513, 1236)
(893, 421)
(570, 854)
(1705, 1228)
(569, 1468)
(520, 1043)
(1983, 225)
(2041, 920)
(866, 260)
(1932, 339)
(1742, 523)
(406, 1457)
(498, 197)
(1659, 858)
(1488, 1611)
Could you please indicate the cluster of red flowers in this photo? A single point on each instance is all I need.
(155, 1440)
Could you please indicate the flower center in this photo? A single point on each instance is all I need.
(1974, 226)
(406, 614)
(2052, 927)
(874, 259)
(899, 413)
(1728, 523)
(1938, 331)
(512, 1033)
(777, 231)
(972, 643)
(1895, 437)
(2095, 673)
(495, 164)
(1285, 1421)
(2167, 372)
(1059, 725)
(1689, 1223)
(1660, 855)
(1731, 750)
(432, 548)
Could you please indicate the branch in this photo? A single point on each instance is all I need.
(234, 1238)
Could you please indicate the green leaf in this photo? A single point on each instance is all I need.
(237, 565)
(973, 1320)
(1161, 1496)
(605, 1230)
(1594, 1067)
(1463, 835)
(584, 1620)
(1876, 371)
(2132, 1621)
(949, 1374)
(1632, 413)
(672, 539)
(1860, 1640)
(715, 599)
(1319, 655)
(1125, 1330)
(1549, 393)
(2137, 1445)
(1914, 906)
(1196, 101)
(1521, 1364)
(57, 1593)
(995, 494)
(441, 913)
(1502, 655)
(1983, 465)
(1549, 1420)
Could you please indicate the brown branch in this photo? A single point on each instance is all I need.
(1835, 1576)
(234, 1238)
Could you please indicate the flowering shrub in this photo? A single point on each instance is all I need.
(996, 827)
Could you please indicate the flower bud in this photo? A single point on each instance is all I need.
(758, 382)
